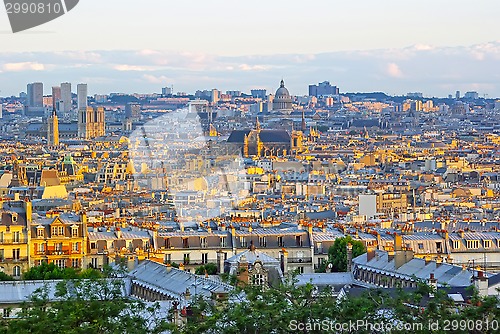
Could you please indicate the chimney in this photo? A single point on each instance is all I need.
(379, 241)
(181, 226)
(284, 261)
(323, 228)
(370, 253)
(181, 266)
(243, 276)
(432, 285)
(223, 227)
(249, 227)
(398, 242)
(220, 262)
(209, 228)
(481, 283)
(349, 257)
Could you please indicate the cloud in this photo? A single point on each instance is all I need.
(162, 79)
(24, 66)
(124, 67)
(435, 71)
(394, 71)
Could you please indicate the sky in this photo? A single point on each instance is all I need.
(396, 46)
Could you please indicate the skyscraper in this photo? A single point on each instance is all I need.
(35, 95)
(91, 122)
(133, 111)
(53, 130)
(81, 92)
(66, 103)
(56, 97)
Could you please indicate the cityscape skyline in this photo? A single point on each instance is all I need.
(434, 71)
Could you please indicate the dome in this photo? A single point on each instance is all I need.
(282, 101)
(282, 91)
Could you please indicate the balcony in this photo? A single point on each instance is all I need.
(13, 241)
(58, 252)
(299, 259)
(12, 260)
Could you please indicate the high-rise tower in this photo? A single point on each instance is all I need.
(53, 130)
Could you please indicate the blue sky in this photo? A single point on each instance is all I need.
(196, 43)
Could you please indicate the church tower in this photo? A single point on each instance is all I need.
(53, 130)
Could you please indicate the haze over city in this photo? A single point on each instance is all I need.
(393, 46)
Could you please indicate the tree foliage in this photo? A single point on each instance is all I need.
(48, 271)
(5, 277)
(337, 254)
(209, 268)
(283, 309)
(94, 305)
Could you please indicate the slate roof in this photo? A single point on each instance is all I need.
(174, 282)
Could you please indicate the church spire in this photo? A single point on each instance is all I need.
(257, 124)
(303, 125)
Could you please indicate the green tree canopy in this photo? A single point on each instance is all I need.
(48, 271)
(337, 254)
(87, 306)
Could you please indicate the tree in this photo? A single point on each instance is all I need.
(210, 268)
(87, 306)
(5, 277)
(337, 253)
(302, 309)
(47, 271)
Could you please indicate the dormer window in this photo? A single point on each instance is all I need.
(74, 231)
(40, 232)
(473, 244)
(456, 244)
(487, 243)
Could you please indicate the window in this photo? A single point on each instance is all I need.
(300, 270)
(167, 242)
(16, 272)
(75, 263)
(16, 253)
(185, 243)
(94, 263)
(223, 241)
(243, 241)
(60, 263)
(298, 241)
(280, 242)
(75, 247)
(262, 241)
(456, 244)
(40, 232)
(204, 258)
(6, 312)
(41, 248)
(472, 244)
(1, 236)
(203, 242)
(74, 232)
(58, 247)
(93, 245)
(2, 255)
(186, 258)
(16, 236)
(58, 231)
(168, 258)
(258, 279)
(420, 245)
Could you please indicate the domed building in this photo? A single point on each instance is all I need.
(282, 100)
